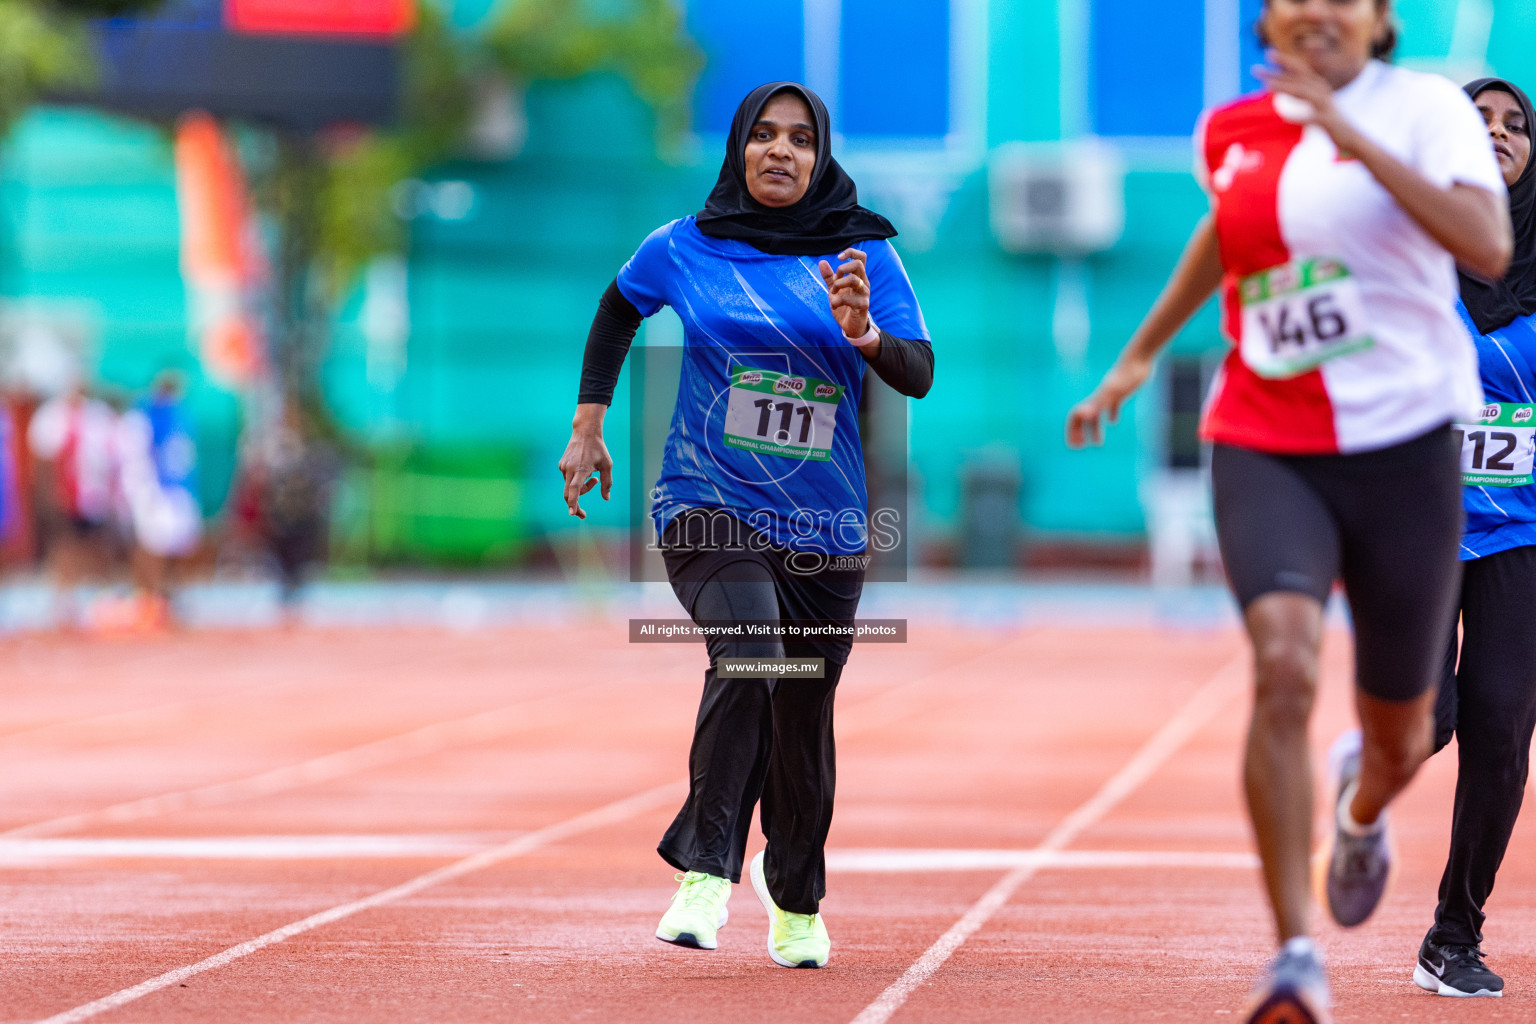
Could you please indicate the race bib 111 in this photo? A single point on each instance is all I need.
(1500, 448)
(1299, 315)
(782, 414)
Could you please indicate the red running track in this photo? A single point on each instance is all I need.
(428, 827)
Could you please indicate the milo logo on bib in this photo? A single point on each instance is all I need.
(789, 385)
(773, 413)
(1499, 450)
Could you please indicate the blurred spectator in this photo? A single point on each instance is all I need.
(18, 513)
(157, 466)
(285, 494)
(73, 440)
(11, 515)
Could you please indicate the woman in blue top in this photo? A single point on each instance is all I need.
(1488, 700)
(760, 505)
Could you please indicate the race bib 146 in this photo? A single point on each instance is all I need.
(1299, 315)
(782, 414)
(1500, 448)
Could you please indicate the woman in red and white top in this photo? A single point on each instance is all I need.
(1342, 198)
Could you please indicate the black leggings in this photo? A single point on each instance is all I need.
(1387, 522)
(759, 738)
(1488, 702)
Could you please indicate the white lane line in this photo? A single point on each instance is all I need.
(430, 739)
(35, 852)
(895, 861)
(1200, 709)
(610, 814)
(300, 847)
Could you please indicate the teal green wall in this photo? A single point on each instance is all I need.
(1024, 72)
(1510, 40)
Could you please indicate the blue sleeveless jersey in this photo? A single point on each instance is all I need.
(766, 423)
(1500, 518)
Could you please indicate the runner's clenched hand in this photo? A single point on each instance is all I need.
(848, 292)
(1290, 75)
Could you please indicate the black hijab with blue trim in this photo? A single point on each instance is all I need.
(1496, 303)
(827, 219)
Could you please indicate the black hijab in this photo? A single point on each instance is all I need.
(1496, 303)
(827, 219)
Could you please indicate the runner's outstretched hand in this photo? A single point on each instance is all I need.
(848, 292)
(586, 454)
(1083, 422)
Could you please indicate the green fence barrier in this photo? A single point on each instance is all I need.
(434, 506)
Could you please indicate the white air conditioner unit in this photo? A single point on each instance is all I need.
(1057, 197)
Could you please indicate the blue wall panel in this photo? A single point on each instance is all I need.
(744, 49)
(895, 68)
(1148, 67)
(1250, 53)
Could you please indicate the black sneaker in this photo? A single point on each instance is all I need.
(1451, 970)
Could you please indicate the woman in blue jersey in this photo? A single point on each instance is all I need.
(1488, 700)
(787, 290)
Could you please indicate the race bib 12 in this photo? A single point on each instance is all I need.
(1299, 315)
(1500, 448)
(782, 414)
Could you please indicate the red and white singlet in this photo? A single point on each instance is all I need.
(1340, 308)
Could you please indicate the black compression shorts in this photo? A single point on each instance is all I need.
(1386, 522)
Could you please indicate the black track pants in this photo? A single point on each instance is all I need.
(767, 739)
(1489, 702)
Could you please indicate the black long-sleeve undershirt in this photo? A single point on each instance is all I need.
(612, 332)
(906, 364)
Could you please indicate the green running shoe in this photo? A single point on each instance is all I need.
(697, 912)
(794, 940)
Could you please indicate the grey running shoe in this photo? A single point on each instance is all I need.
(1452, 970)
(1358, 866)
(1292, 990)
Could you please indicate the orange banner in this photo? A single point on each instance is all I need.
(217, 263)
